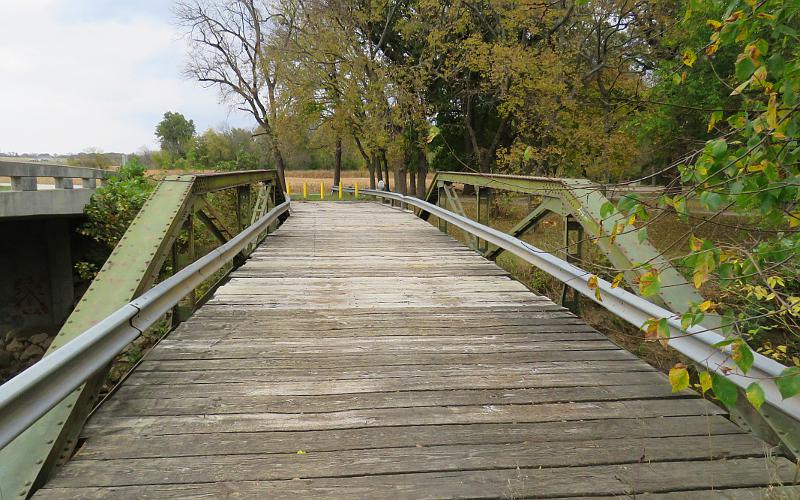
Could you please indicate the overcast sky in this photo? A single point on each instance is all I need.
(78, 74)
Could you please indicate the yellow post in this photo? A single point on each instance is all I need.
(340, 190)
(356, 190)
(288, 189)
(322, 190)
(305, 191)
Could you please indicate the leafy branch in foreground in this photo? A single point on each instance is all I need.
(750, 168)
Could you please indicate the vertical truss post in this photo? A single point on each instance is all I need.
(441, 198)
(242, 200)
(455, 205)
(573, 243)
(185, 307)
(483, 206)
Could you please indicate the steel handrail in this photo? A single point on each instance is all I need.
(31, 394)
(696, 342)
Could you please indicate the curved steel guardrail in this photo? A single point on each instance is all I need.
(696, 342)
(31, 394)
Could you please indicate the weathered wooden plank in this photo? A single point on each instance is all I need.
(125, 445)
(312, 374)
(244, 359)
(383, 417)
(335, 386)
(159, 359)
(414, 459)
(129, 403)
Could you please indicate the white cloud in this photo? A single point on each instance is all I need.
(69, 85)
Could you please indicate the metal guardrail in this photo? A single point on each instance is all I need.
(32, 393)
(696, 342)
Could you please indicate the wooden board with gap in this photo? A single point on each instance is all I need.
(361, 353)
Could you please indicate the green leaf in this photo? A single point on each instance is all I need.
(742, 355)
(679, 378)
(642, 234)
(649, 283)
(710, 200)
(718, 148)
(724, 389)
(744, 69)
(789, 382)
(715, 117)
(433, 133)
(606, 209)
(627, 202)
(528, 154)
(755, 394)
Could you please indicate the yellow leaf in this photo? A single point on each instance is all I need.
(738, 90)
(617, 280)
(597, 295)
(689, 57)
(695, 243)
(679, 378)
(705, 381)
(301, 452)
(772, 111)
(632, 220)
(592, 282)
(651, 330)
(699, 278)
(714, 24)
(707, 306)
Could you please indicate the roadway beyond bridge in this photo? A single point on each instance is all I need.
(362, 353)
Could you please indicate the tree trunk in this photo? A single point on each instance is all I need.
(373, 175)
(386, 170)
(279, 164)
(337, 168)
(367, 160)
(412, 182)
(376, 165)
(422, 173)
(402, 187)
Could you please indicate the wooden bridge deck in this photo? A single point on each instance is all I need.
(362, 354)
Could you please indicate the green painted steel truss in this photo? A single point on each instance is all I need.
(162, 230)
(578, 202)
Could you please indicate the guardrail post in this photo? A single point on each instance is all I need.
(63, 182)
(483, 206)
(440, 199)
(24, 184)
(573, 244)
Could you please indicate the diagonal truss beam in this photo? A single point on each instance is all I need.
(131, 269)
(549, 205)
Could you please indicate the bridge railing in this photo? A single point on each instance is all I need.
(777, 421)
(24, 175)
(43, 409)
